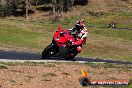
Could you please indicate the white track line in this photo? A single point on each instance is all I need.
(21, 61)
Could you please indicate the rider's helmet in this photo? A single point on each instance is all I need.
(79, 25)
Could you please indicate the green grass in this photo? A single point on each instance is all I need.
(19, 37)
(122, 19)
(101, 43)
(124, 34)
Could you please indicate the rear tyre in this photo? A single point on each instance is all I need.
(67, 53)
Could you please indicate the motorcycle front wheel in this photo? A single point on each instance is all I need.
(49, 51)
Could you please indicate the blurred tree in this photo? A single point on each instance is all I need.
(9, 7)
(27, 8)
(67, 5)
(81, 2)
(62, 5)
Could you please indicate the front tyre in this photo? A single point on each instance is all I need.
(48, 51)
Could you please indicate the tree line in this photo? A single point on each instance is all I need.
(15, 7)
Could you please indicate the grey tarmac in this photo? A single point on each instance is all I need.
(14, 56)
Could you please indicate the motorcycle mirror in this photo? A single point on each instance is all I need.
(59, 28)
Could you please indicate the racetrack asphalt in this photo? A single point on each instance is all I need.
(13, 56)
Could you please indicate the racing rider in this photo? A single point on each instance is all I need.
(81, 32)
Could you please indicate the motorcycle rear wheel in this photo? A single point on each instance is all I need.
(67, 54)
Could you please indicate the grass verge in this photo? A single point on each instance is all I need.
(101, 42)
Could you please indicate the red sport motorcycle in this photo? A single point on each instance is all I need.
(61, 45)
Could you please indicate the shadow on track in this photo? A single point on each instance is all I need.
(13, 55)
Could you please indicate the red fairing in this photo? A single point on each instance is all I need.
(65, 44)
(80, 42)
(62, 36)
(59, 28)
